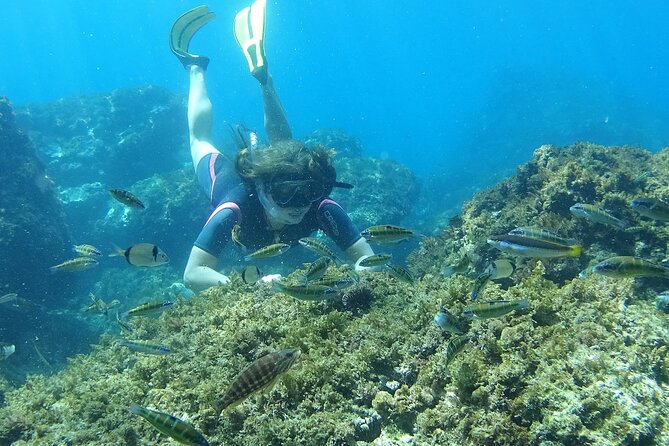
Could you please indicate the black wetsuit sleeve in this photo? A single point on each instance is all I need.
(336, 223)
(217, 232)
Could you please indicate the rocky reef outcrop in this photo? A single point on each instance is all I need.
(586, 363)
(33, 233)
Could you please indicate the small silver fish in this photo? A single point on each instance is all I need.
(148, 347)
(149, 308)
(306, 292)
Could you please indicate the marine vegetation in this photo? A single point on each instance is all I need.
(585, 363)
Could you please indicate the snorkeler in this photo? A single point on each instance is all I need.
(276, 194)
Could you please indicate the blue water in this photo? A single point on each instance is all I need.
(434, 85)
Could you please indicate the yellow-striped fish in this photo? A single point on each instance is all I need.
(261, 374)
(400, 273)
(319, 248)
(454, 346)
(149, 308)
(86, 250)
(596, 214)
(234, 236)
(317, 269)
(268, 251)
(627, 266)
(375, 260)
(494, 308)
(386, 234)
(78, 264)
(305, 292)
(521, 246)
(171, 426)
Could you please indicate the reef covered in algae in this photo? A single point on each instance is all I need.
(586, 363)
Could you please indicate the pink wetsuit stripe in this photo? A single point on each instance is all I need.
(328, 201)
(212, 173)
(227, 205)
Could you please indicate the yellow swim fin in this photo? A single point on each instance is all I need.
(182, 32)
(250, 34)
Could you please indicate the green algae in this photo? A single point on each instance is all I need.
(587, 363)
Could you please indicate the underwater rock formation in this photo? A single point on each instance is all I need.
(33, 235)
(346, 145)
(586, 363)
(383, 190)
(144, 130)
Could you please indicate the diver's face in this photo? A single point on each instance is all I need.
(279, 214)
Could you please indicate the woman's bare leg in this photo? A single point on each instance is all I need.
(276, 123)
(199, 116)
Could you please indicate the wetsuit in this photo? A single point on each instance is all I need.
(234, 204)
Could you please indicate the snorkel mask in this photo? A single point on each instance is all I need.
(281, 213)
(289, 193)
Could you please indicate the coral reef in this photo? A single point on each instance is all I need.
(346, 145)
(142, 129)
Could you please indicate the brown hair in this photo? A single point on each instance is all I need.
(287, 158)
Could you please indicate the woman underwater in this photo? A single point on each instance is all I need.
(275, 194)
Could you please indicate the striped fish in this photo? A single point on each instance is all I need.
(261, 374)
(147, 347)
(319, 247)
(454, 346)
(375, 260)
(386, 234)
(317, 269)
(127, 198)
(86, 250)
(171, 426)
(149, 308)
(268, 251)
(72, 265)
(400, 273)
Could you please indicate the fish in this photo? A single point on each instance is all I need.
(375, 260)
(542, 234)
(6, 350)
(234, 236)
(386, 234)
(147, 347)
(480, 283)
(98, 305)
(268, 251)
(457, 268)
(500, 269)
(652, 208)
(628, 266)
(597, 215)
(76, 264)
(9, 297)
(149, 308)
(127, 198)
(86, 250)
(261, 374)
(319, 248)
(445, 320)
(399, 273)
(454, 346)
(142, 254)
(171, 426)
(305, 292)
(336, 282)
(121, 323)
(494, 308)
(251, 274)
(521, 246)
(317, 269)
